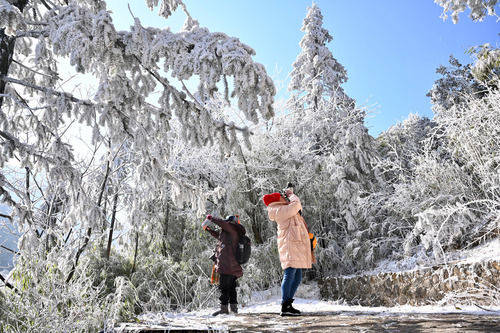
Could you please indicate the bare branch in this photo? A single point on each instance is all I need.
(32, 34)
(10, 250)
(28, 186)
(78, 254)
(46, 4)
(7, 284)
(34, 71)
(50, 91)
(39, 188)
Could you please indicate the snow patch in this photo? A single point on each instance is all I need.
(315, 305)
(269, 301)
(484, 252)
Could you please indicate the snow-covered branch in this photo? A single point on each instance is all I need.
(479, 9)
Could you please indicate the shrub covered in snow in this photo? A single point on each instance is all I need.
(114, 230)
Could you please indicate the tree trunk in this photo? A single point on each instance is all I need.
(89, 230)
(7, 44)
(165, 232)
(112, 226)
(252, 198)
(78, 254)
(135, 252)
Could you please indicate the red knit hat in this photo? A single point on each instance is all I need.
(268, 198)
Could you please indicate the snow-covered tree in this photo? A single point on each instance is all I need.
(328, 121)
(460, 179)
(126, 65)
(392, 205)
(486, 68)
(455, 86)
(441, 173)
(66, 204)
(316, 74)
(479, 9)
(353, 178)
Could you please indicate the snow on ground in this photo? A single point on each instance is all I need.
(314, 305)
(307, 300)
(308, 297)
(484, 252)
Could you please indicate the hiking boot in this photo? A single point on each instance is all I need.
(292, 309)
(223, 310)
(234, 308)
(287, 310)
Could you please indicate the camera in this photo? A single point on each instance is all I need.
(283, 191)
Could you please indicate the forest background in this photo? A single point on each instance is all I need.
(105, 185)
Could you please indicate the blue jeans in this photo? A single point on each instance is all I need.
(291, 280)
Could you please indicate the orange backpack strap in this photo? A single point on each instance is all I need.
(313, 240)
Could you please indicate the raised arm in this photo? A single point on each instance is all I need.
(221, 223)
(213, 232)
(284, 212)
(209, 226)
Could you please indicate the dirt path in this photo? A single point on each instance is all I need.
(325, 322)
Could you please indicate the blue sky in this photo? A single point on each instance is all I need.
(390, 48)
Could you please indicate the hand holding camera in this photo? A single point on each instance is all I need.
(288, 191)
(208, 224)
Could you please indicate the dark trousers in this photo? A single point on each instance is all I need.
(227, 288)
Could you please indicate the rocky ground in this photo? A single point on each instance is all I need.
(324, 322)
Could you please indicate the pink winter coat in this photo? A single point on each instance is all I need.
(293, 239)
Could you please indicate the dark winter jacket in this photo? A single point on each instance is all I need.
(225, 252)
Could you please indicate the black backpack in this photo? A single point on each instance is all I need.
(243, 250)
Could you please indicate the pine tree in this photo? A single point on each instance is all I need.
(318, 101)
(316, 73)
(328, 121)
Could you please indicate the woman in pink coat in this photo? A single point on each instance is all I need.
(293, 244)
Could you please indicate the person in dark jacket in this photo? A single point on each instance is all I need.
(226, 264)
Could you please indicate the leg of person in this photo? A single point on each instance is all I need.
(286, 291)
(224, 287)
(295, 284)
(297, 278)
(233, 295)
(286, 283)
